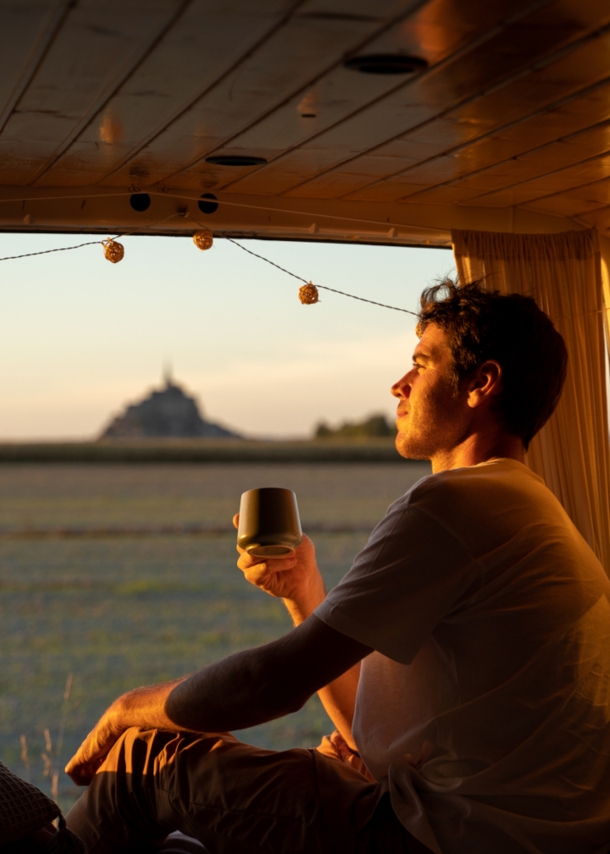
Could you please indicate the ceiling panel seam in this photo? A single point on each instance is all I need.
(183, 110)
(103, 100)
(564, 50)
(272, 109)
(500, 129)
(520, 157)
(580, 217)
(549, 108)
(440, 66)
(32, 66)
(546, 175)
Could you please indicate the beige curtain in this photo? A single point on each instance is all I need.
(605, 254)
(563, 273)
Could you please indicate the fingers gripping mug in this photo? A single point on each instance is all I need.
(269, 524)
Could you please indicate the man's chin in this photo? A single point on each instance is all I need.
(408, 449)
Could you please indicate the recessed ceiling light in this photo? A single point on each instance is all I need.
(385, 63)
(235, 160)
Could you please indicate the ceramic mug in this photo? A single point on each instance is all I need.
(269, 524)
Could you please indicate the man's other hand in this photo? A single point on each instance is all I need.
(295, 579)
(90, 755)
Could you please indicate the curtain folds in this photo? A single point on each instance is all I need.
(563, 273)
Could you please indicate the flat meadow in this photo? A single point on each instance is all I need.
(113, 576)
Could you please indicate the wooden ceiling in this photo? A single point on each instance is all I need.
(506, 125)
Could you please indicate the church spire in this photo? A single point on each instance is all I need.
(167, 373)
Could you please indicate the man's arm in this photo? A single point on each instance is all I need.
(297, 581)
(245, 689)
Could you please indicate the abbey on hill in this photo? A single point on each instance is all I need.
(166, 413)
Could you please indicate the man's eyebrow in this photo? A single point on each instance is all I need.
(422, 357)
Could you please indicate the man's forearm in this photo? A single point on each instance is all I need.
(243, 690)
(237, 692)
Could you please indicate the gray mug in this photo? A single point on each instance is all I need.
(269, 524)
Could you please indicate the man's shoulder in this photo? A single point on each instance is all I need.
(478, 484)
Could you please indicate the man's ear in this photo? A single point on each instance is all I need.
(484, 384)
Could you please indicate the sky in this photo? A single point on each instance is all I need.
(81, 337)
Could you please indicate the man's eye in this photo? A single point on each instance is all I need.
(417, 365)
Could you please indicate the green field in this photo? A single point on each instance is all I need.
(95, 591)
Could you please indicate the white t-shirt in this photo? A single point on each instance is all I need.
(487, 700)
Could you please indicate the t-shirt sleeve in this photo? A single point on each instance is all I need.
(411, 574)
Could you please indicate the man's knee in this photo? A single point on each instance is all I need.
(136, 751)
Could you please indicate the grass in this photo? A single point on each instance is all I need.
(116, 612)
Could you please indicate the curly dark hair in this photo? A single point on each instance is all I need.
(510, 329)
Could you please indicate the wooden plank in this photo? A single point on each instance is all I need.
(586, 67)
(28, 28)
(205, 43)
(592, 109)
(95, 47)
(340, 92)
(559, 181)
(598, 218)
(561, 154)
(432, 93)
(521, 153)
(584, 198)
(344, 181)
(340, 137)
(286, 62)
(398, 188)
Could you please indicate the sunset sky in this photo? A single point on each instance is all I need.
(82, 337)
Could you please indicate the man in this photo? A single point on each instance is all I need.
(464, 659)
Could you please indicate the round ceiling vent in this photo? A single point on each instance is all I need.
(207, 203)
(140, 202)
(235, 160)
(385, 63)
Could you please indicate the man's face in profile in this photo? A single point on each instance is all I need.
(431, 416)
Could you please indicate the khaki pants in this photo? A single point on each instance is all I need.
(236, 799)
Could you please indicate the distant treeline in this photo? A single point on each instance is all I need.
(371, 427)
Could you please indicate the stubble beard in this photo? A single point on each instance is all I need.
(436, 430)
(414, 447)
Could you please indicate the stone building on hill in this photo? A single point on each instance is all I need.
(166, 413)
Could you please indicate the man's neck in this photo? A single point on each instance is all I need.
(479, 448)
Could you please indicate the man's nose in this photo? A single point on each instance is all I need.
(402, 388)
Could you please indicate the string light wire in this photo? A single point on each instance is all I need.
(88, 243)
(306, 281)
(48, 251)
(321, 287)
(244, 249)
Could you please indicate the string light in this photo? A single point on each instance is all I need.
(322, 287)
(113, 250)
(203, 239)
(308, 294)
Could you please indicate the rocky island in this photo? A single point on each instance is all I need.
(168, 412)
